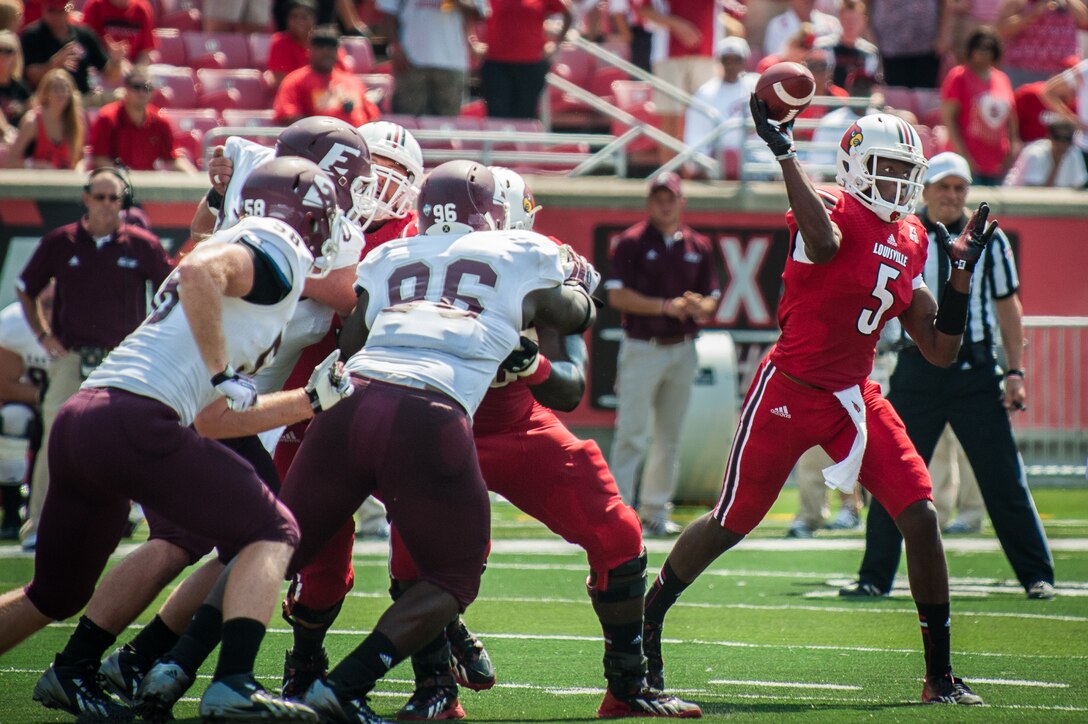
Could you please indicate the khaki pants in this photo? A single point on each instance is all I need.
(954, 484)
(64, 381)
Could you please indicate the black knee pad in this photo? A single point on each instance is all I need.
(625, 581)
(297, 613)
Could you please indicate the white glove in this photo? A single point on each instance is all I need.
(578, 269)
(329, 383)
(240, 391)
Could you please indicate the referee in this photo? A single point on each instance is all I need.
(968, 396)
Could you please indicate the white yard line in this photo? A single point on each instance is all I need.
(786, 684)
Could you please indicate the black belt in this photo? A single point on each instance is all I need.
(666, 341)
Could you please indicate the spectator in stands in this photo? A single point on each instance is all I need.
(855, 57)
(329, 12)
(237, 16)
(1052, 161)
(289, 49)
(55, 42)
(126, 22)
(833, 124)
(428, 45)
(782, 27)
(1067, 94)
(629, 29)
(683, 54)
(795, 50)
(1032, 110)
(52, 131)
(728, 94)
(14, 96)
(1038, 35)
(978, 108)
(821, 61)
(912, 37)
(519, 55)
(132, 133)
(322, 89)
(11, 15)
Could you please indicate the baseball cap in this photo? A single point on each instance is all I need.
(734, 46)
(948, 164)
(326, 35)
(667, 180)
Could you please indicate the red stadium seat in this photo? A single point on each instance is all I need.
(901, 98)
(174, 87)
(578, 67)
(249, 119)
(379, 89)
(258, 48)
(409, 122)
(181, 14)
(359, 50)
(601, 82)
(189, 129)
(223, 89)
(171, 50)
(217, 50)
(636, 97)
(508, 128)
(450, 125)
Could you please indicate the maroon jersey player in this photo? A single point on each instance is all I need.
(855, 261)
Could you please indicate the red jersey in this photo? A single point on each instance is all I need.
(114, 135)
(285, 54)
(520, 24)
(390, 230)
(985, 106)
(831, 314)
(56, 153)
(305, 92)
(132, 23)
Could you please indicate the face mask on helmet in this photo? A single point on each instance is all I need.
(339, 150)
(459, 197)
(865, 146)
(397, 187)
(517, 200)
(301, 195)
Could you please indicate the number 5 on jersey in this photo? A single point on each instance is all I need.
(868, 319)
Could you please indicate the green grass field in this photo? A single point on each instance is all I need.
(762, 636)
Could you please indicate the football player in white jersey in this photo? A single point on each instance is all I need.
(127, 434)
(438, 312)
(24, 368)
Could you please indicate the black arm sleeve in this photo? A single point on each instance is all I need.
(269, 285)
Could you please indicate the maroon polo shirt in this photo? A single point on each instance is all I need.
(116, 137)
(101, 294)
(643, 262)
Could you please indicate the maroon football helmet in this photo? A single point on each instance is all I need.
(298, 193)
(459, 196)
(339, 150)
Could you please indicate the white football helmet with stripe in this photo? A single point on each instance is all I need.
(521, 207)
(875, 137)
(397, 191)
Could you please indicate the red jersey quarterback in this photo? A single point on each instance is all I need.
(856, 259)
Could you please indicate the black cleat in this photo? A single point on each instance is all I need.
(949, 690)
(239, 698)
(74, 688)
(333, 710)
(646, 702)
(299, 672)
(161, 688)
(861, 589)
(651, 649)
(469, 661)
(122, 671)
(434, 698)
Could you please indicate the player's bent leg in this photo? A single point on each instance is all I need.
(307, 660)
(19, 618)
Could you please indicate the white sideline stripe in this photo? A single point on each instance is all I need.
(786, 684)
(726, 606)
(881, 704)
(1020, 682)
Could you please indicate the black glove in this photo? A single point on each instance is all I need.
(778, 137)
(965, 250)
(524, 360)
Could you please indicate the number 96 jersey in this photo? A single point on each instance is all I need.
(831, 314)
(445, 310)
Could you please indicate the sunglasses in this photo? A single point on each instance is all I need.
(112, 198)
(1062, 137)
(145, 87)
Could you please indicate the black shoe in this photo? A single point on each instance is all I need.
(434, 698)
(469, 661)
(161, 688)
(646, 702)
(74, 688)
(651, 649)
(239, 698)
(301, 671)
(122, 671)
(861, 589)
(949, 690)
(331, 708)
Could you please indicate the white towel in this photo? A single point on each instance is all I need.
(843, 475)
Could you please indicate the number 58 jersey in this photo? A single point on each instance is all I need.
(445, 311)
(831, 314)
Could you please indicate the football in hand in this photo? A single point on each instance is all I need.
(786, 88)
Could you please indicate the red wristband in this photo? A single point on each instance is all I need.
(543, 371)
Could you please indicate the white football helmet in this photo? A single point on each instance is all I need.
(875, 137)
(518, 200)
(396, 193)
